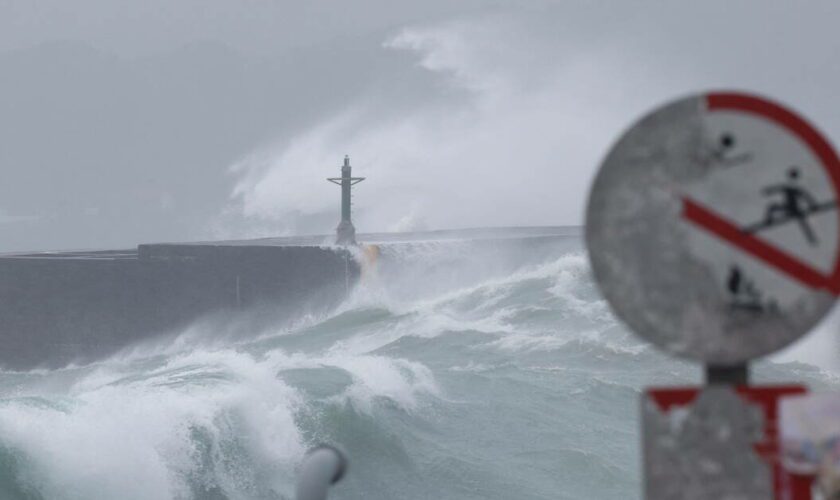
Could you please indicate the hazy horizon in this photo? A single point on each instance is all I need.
(125, 123)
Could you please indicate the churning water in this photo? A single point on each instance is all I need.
(450, 372)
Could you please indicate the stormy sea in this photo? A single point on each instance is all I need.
(452, 370)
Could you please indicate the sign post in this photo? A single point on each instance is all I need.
(713, 232)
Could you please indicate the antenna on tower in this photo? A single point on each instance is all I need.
(345, 232)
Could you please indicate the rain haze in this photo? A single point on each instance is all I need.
(127, 122)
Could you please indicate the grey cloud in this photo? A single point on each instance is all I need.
(120, 120)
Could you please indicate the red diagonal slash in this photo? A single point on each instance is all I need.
(769, 254)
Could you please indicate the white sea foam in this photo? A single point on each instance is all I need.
(398, 380)
(470, 366)
(115, 434)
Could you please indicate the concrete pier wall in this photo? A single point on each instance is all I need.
(61, 308)
(58, 308)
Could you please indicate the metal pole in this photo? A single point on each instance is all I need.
(731, 374)
(323, 466)
(345, 189)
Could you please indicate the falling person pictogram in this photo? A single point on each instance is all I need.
(793, 203)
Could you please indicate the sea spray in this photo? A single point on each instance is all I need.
(459, 371)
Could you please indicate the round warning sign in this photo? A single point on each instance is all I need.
(713, 227)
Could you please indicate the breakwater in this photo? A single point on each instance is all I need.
(58, 308)
(74, 307)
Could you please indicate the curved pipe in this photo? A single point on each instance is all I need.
(323, 466)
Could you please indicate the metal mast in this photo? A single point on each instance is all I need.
(345, 232)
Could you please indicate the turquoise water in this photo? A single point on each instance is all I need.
(448, 373)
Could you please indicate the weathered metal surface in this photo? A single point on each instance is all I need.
(705, 451)
(712, 228)
(716, 442)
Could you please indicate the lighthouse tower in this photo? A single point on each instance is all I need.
(345, 232)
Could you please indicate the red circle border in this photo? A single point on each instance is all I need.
(799, 127)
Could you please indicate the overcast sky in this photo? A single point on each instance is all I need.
(125, 121)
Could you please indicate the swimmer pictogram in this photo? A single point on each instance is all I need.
(725, 153)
